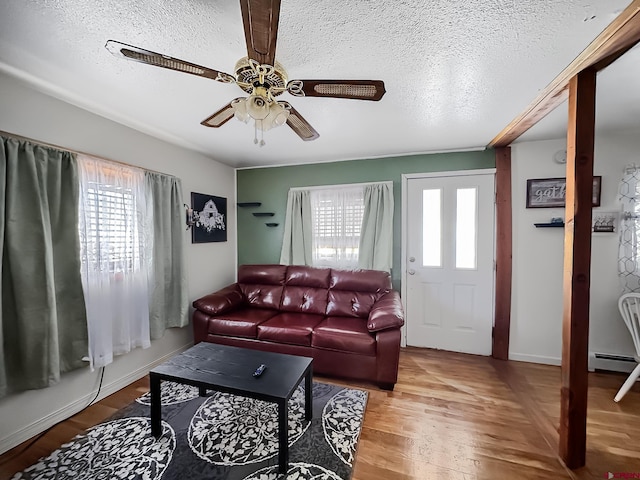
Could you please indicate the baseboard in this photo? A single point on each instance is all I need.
(523, 357)
(76, 406)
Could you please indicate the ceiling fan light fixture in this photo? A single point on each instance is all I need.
(264, 111)
(258, 107)
(240, 110)
(277, 117)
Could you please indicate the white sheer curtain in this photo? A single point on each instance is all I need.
(337, 220)
(628, 252)
(115, 251)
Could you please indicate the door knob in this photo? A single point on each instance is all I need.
(412, 271)
(412, 259)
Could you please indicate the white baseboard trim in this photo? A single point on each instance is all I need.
(76, 406)
(523, 357)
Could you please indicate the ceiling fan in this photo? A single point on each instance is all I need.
(259, 75)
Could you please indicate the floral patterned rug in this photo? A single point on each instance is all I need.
(218, 437)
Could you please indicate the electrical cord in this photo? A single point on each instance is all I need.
(99, 388)
(44, 432)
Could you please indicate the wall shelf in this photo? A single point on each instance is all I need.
(550, 225)
(263, 214)
(249, 204)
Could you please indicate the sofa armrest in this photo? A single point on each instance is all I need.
(221, 301)
(386, 313)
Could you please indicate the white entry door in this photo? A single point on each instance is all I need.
(449, 252)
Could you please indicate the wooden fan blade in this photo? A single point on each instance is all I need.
(260, 19)
(299, 125)
(221, 117)
(355, 89)
(136, 54)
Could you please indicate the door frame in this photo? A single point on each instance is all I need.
(403, 255)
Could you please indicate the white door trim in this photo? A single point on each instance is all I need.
(403, 255)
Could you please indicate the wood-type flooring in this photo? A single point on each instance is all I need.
(451, 416)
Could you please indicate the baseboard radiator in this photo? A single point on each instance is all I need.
(611, 362)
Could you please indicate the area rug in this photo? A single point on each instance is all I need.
(218, 437)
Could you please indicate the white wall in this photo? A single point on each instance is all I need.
(26, 112)
(536, 313)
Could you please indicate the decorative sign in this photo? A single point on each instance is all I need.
(550, 192)
(605, 222)
(209, 218)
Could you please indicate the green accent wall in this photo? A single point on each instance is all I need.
(258, 243)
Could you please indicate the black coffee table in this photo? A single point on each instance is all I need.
(210, 366)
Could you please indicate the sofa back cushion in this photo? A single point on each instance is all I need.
(321, 291)
(305, 290)
(373, 281)
(353, 293)
(262, 285)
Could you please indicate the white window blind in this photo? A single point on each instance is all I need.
(110, 221)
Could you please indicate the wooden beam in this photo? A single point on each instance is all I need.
(502, 321)
(621, 34)
(577, 268)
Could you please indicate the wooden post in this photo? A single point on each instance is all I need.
(502, 321)
(577, 267)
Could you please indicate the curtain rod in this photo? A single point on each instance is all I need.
(340, 185)
(77, 152)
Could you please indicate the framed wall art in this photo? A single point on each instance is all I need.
(209, 218)
(550, 192)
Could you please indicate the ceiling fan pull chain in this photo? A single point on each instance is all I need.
(261, 135)
(255, 132)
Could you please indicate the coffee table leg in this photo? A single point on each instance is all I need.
(308, 395)
(283, 437)
(156, 404)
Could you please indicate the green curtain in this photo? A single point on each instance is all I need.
(168, 301)
(298, 232)
(43, 322)
(376, 235)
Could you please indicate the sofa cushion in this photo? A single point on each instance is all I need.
(308, 276)
(292, 328)
(240, 323)
(350, 304)
(262, 296)
(304, 300)
(262, 274)
(345, 334)
(374, 281)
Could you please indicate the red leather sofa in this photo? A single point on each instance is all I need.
(348, 321)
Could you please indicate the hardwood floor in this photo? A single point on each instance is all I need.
(451, 416)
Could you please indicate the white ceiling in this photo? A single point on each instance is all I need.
(456, 71)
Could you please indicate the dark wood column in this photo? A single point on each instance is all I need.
(577, 267)
(502, 320)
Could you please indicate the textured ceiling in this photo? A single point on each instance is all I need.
(456, 71)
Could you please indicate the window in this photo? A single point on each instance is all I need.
(336, 221)
(344, 226)
(114, 251)
(432, 228)
(466, 227)
(112, 231)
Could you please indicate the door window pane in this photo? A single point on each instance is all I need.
(466, 227)
(432, 228)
